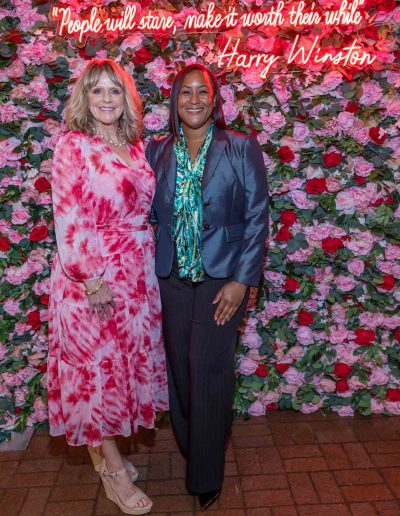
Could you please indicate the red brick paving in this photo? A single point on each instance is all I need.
(287, 464)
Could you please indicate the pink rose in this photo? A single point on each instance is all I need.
(371, 93)
(356, 266)
(377, 406)
(257, 408)
(309, 408)
(252, 340)
(338, 334)
(227, 93)
(331, 81)
(301, 200)
(295, 353)
(293, 376)
(247, 366)
(256, 42)
(20, 216)
(52, 127)
(133, 41)
(360, 243)
(333, 185)
(157, 72)
(300, 132)
(230, 111)
(9, 112)
(344, 411)
(327, 385)
(345, 202)
(304, 335)
(361, 134)
(392, 252)
(345, 283)
(345, 120)
(379, 376)
(33, 52)
(362, 167)
(11, 306)
(16, 69)
(251, 77)
(154, 122)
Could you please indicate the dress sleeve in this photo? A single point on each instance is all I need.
(74, 218)
(249, 265)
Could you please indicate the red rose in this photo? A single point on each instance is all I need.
(38, 233)
(17, 410)
(142, 56)
(332, 159)
(388, 282)
(365, 337)
(13, 36)
(4, 244)
(34, 319)
(375, 135)
(288, 217)
(54, 80)
(285, 154)
(283, 235)
(359, 179)
(330, 245)
(262, 371)
(280, 45)
(282, 367)
(388, 6)
(316, 185)
(397, 335)
(342, 370)
(291, 284)
(371, 32)
(272, 407)
(42, 368)
(45, 299)
(42, 185)
(342, 385)
(353, 107)
(393, 395)
(304, 318)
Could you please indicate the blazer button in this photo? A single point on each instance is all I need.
(206, 226)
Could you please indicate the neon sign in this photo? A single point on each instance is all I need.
(130, 18)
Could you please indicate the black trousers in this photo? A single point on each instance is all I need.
(200, 357)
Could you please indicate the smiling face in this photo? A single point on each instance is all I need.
(196, 100)
(106, 102)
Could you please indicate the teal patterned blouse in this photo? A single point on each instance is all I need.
(187, 219)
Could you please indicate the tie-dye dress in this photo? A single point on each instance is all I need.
(103, 377)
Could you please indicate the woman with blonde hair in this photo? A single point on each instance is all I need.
(106, 365)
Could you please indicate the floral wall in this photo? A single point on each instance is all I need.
(324, 329)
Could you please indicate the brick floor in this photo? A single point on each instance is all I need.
(287, 464)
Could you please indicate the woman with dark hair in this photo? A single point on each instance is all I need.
(211, 212)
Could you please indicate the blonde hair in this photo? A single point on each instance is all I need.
(78, 116)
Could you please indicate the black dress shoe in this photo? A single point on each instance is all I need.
(207, 499)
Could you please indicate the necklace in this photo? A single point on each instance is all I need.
(117, 143)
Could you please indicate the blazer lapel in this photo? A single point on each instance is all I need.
(170, 165)
(214, 154)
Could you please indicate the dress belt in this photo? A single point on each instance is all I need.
(123, 228)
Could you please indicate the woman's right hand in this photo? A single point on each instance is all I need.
(101, 301)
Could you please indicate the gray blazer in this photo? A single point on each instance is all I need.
(235, 206)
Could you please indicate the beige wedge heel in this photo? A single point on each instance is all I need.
(131, 506)
(97, 458)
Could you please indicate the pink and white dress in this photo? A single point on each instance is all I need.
(103, 377)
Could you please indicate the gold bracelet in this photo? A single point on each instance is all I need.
(91, 292)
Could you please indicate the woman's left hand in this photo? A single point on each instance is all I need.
(229, 298)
